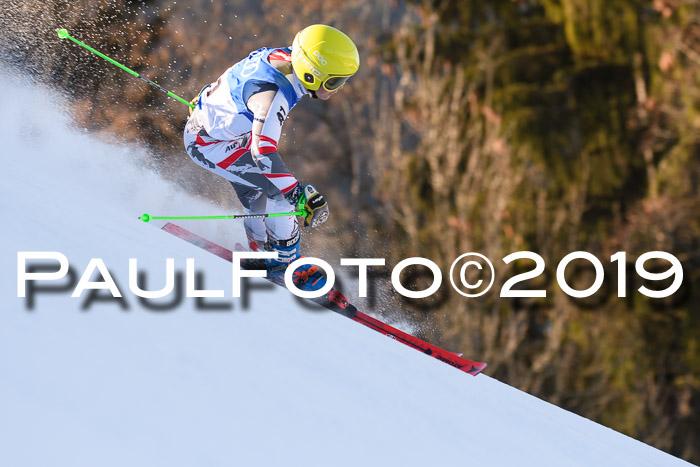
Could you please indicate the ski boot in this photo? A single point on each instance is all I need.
(307, 277)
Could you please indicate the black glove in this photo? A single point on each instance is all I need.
(316, 206)
(311, 201)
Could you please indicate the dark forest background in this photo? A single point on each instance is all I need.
(550, 126)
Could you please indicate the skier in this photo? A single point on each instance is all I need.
(236, 125)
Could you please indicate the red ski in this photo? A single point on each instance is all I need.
(336, 301)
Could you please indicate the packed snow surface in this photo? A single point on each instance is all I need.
(270, 383)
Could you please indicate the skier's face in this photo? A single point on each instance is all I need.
(325, 95)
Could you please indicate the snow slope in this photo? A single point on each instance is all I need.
(273, 384)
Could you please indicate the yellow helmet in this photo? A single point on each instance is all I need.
(324, 56)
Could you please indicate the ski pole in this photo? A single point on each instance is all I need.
(63, 34)
(302, 213)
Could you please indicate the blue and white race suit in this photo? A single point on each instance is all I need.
(219, 136)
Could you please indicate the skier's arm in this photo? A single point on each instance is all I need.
(269, 110)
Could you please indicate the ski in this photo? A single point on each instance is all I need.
(336, 301)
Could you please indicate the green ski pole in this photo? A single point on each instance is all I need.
(63, 34)
(302, 213)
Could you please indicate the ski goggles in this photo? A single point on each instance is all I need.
(334, 82)
(330, 84)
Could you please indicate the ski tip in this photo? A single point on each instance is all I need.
(145, 217)
(62, 33)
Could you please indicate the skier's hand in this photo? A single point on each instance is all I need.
(316, 206)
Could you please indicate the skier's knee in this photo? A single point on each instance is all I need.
(247, 195)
